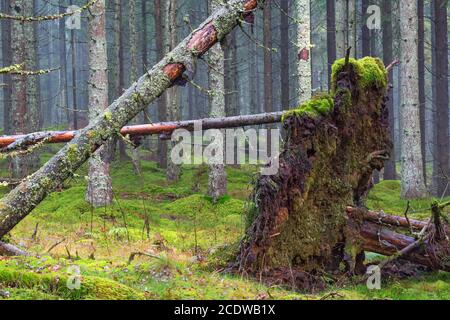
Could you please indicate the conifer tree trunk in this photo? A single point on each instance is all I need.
(24, 113)
(413, 185)
(173, 94)
(341, 28)
(331, 37)
(304, 47)
(159, 14)
(132, 22)
(217, 185)
(99, 192)
(442, 96)
(284, 54)
(6, 60)
(390, 172)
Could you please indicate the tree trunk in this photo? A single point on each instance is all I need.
(331, 37)
(132, 22)
(99, 192)
(268, 74)
(442, 103)
(24, 97)
(341, 28)
(22, 200)
(285, 72)
(422, 94)
(298, 222)
(162, 101)
(6, 59)
(352, 35)
(173, 94)
(74, 78)
(390, 172)
(304, 47)
(366, 32)
(217, 185)
(413, 186)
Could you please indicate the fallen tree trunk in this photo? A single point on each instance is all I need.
(383, 240)
(378, 233)
(24, 141)
(385, 219)
(22, 200)
(10, 250)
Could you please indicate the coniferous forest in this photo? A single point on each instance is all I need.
(224, 150)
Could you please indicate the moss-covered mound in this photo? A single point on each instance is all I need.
(331, 150)
(91, 288)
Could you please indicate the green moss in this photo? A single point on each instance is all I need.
(72, 153)
(371, 72)
(319, 105)
(56, 284)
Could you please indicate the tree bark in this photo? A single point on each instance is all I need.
(22, 200)
(442, 97)
(6, 59)
(422, 94)
(285, 72)
(390, 171)
(341, 28)
(133, 41)
(413, 186)
(268, 71)
(99, 192)
(25, 113)
(173, 172)
(304, 47)
(162, 101)
(331, 37)
(217, 178)
(366, 32)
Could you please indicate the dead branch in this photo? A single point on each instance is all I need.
(7, 249)
(21, 142)
(140, 254)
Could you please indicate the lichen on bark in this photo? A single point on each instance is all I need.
(299, 224)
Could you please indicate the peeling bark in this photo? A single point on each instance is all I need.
(23, 199)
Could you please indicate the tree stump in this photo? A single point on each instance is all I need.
(299, 228)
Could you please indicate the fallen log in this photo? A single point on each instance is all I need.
(23, 141)
(10, 250)
(168, 72)
(382, 240)
(385, 219)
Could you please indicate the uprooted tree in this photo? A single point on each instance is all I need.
(299, 225)
(24, 198)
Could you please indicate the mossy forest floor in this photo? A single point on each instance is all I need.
(190, 238)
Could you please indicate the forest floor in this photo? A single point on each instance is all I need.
(190, 242)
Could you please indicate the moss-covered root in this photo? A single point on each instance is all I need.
(333, 145)
(91, 288)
